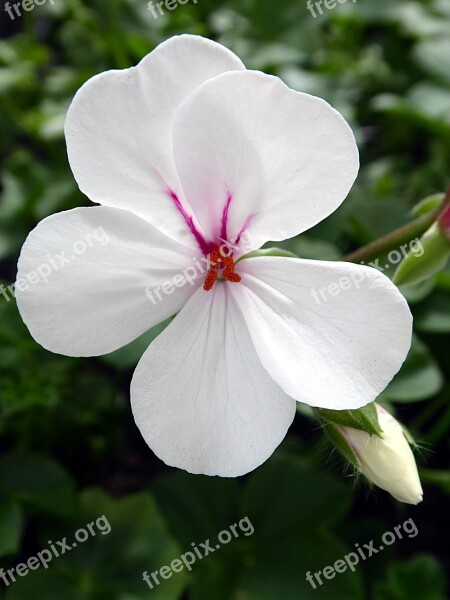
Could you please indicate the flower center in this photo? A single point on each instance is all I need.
(218, 262)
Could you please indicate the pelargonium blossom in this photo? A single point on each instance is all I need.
(182, 152)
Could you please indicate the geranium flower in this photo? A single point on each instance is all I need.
(183, 152)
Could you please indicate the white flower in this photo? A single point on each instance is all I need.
(388, 461)
(184, 150)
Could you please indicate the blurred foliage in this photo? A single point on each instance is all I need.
(70, 451)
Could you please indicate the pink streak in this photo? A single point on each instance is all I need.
(205, 246)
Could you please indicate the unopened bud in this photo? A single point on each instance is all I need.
(434, 255)
(386, 461)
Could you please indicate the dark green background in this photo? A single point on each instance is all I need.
(69, 447)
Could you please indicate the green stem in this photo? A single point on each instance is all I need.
(436, 476)
(400, 236)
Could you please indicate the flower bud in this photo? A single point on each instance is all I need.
(387, 461)
(434, 255)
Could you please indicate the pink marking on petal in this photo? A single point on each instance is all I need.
(205, 246)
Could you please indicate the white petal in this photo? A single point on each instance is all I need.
(118, 128)
(200, 397)
(286, 159)
(82, 280)
(331, 334)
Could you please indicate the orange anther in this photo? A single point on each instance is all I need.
(219, 262)
(230, 275)
(210, 279)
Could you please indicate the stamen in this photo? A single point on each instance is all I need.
(219, 262)
(210, 279)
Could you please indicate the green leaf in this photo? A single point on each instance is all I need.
(36, 481)
(419, 21)
(434, 56)
(421, 577)
(418, 379)
(429, 101)
(128, 356)
(428, 204)
(433, 316)
(287, 502)
(11, 527)
(184, 499)
(108, 565)
(417, 292)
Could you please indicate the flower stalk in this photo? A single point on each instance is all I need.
(402, 235)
